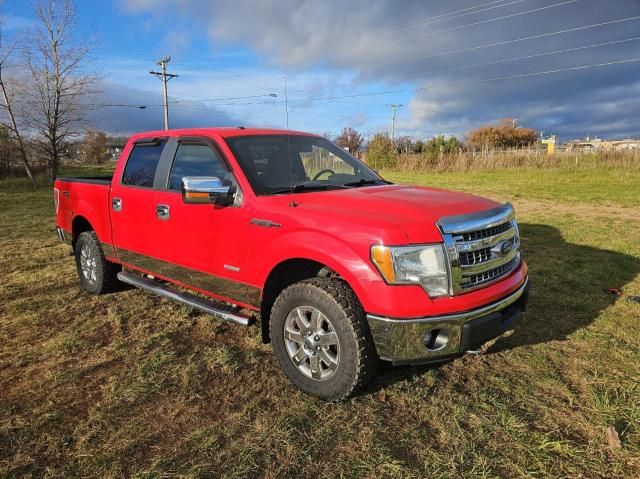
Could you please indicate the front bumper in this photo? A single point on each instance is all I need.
(433, 338)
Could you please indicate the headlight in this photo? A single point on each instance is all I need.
(424, 265)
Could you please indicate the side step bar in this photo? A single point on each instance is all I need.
(216, 309)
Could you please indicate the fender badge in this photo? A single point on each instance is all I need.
(264, 223)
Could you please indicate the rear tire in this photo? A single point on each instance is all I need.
(96, 274)
(321, 339)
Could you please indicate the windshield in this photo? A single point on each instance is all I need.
(315, 164)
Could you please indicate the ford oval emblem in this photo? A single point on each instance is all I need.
(505, 248)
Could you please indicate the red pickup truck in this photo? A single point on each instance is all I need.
(342, 267)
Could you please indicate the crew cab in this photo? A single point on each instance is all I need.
(341, 267)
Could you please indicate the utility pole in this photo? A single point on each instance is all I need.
(393, 121)
(164, 77)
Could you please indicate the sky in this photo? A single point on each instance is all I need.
(564, 67)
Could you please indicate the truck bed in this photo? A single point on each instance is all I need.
(84, 199)
(96, 180)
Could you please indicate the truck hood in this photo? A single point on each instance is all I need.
(413, 209)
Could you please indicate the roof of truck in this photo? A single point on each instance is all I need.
(225, 132)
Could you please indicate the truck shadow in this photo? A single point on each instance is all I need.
(570, 290)
(571, 284)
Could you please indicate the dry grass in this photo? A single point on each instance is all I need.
(129, 385)
(534, 159)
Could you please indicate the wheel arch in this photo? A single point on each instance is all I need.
(282, 275)
(79, 224)
(302, 255)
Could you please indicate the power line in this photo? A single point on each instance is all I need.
(432, 20)
(143, 106)
(513, 41)
(409, 90)
(470, 82)
(227, 98)
(481, 22)
(505, 42)
(424, 21)
(461, 83)
(513, 59)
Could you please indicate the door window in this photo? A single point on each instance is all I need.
(197, 159)
(142, 164)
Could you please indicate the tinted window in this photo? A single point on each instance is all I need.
(273, 163)
(142, 164)
(193, 159)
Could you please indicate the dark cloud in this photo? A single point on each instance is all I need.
(374, 39)
(124, 120)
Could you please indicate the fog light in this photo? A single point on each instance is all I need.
(436, 339)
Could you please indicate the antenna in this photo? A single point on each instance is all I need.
(292, 204)
(286, 102)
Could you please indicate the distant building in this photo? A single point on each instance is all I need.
(597, 144)
(115, 146)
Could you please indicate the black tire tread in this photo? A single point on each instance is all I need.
(109, 280)
(343, 295)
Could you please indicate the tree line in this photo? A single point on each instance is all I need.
(383, 151)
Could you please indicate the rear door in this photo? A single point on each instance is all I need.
(134, 217)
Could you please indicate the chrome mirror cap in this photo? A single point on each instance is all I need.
(206, 189)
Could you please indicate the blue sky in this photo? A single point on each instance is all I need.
(447, 63)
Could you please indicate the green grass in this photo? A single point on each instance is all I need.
(130, 385)
(620, 187)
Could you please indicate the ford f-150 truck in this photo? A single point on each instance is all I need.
(342, 268)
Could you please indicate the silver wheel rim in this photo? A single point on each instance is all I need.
(88, 264)
(312, 343)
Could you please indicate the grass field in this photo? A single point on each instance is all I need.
(129, 385)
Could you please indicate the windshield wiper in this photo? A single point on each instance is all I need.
(361, 182)
(304, 187)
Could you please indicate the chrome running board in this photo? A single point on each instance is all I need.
(217, 309)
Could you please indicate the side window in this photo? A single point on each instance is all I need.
(196, 159)
(142, 163)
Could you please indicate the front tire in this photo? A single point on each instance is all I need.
(96, 274)
(321, 339)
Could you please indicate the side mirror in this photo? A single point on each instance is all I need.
(207, 189)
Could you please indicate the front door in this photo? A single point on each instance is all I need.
(207, 239)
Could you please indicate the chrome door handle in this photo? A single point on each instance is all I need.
(116, 204)
(162, 211)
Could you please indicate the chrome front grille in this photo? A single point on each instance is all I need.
(475, 257)
(482, 247)
(485, 233)
(491, 274)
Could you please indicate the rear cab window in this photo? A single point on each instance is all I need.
(142, 163)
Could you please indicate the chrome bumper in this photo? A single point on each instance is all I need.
(436, 337)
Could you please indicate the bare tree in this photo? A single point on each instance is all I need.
(55, 61)
(7, 98)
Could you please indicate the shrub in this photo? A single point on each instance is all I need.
(381, 152)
